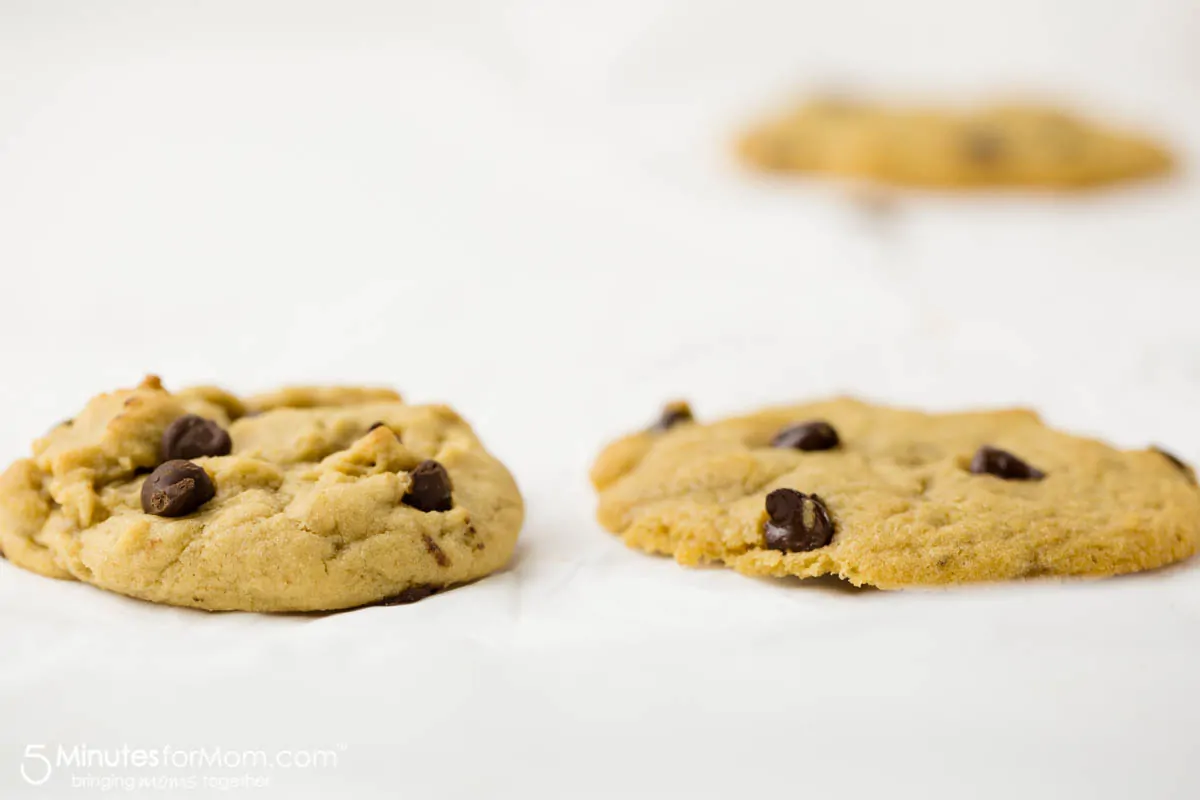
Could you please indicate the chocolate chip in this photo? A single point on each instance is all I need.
(984, 146)
(673, 414)
(193, 436)
(411, 595)
(431, 547)
(375, 425)
(176, 488)
(430, 489)
(814, 435)
(994, 461)
(796, 521)
(1179, 463)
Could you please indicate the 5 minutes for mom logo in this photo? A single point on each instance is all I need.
(128, 767)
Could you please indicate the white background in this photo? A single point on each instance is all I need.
(529, 210)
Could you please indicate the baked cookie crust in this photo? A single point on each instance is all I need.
(911, 498)
(319, 499)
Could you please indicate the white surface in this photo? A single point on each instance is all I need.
(526, 209)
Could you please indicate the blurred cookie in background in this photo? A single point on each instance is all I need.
(1000, 145)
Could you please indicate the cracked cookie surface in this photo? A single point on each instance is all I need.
(311, 511)
(1003, 145)
(904, 493)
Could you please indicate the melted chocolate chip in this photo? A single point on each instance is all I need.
(193, 436)
(431, 547)
(994, 461)
(673, 414)
(176, 488)
(430, 489)
(1179, 463)
(796, 521)
(411, 595)
(375, 425)
(814, 435)
(984, 146)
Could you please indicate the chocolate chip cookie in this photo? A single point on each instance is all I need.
(895, 498)
(305, 499)
(1005, 145)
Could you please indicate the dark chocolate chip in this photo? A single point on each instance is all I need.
(984, 146)
(176, 488)
(1179, 463)
(193, 436)
(814, 435)
(994, 461)
(673, 414)
(411, 595)
(430, 489)
(796, 521)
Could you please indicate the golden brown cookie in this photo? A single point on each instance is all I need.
(894, 498)
(305, 499)
(1003, 145)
